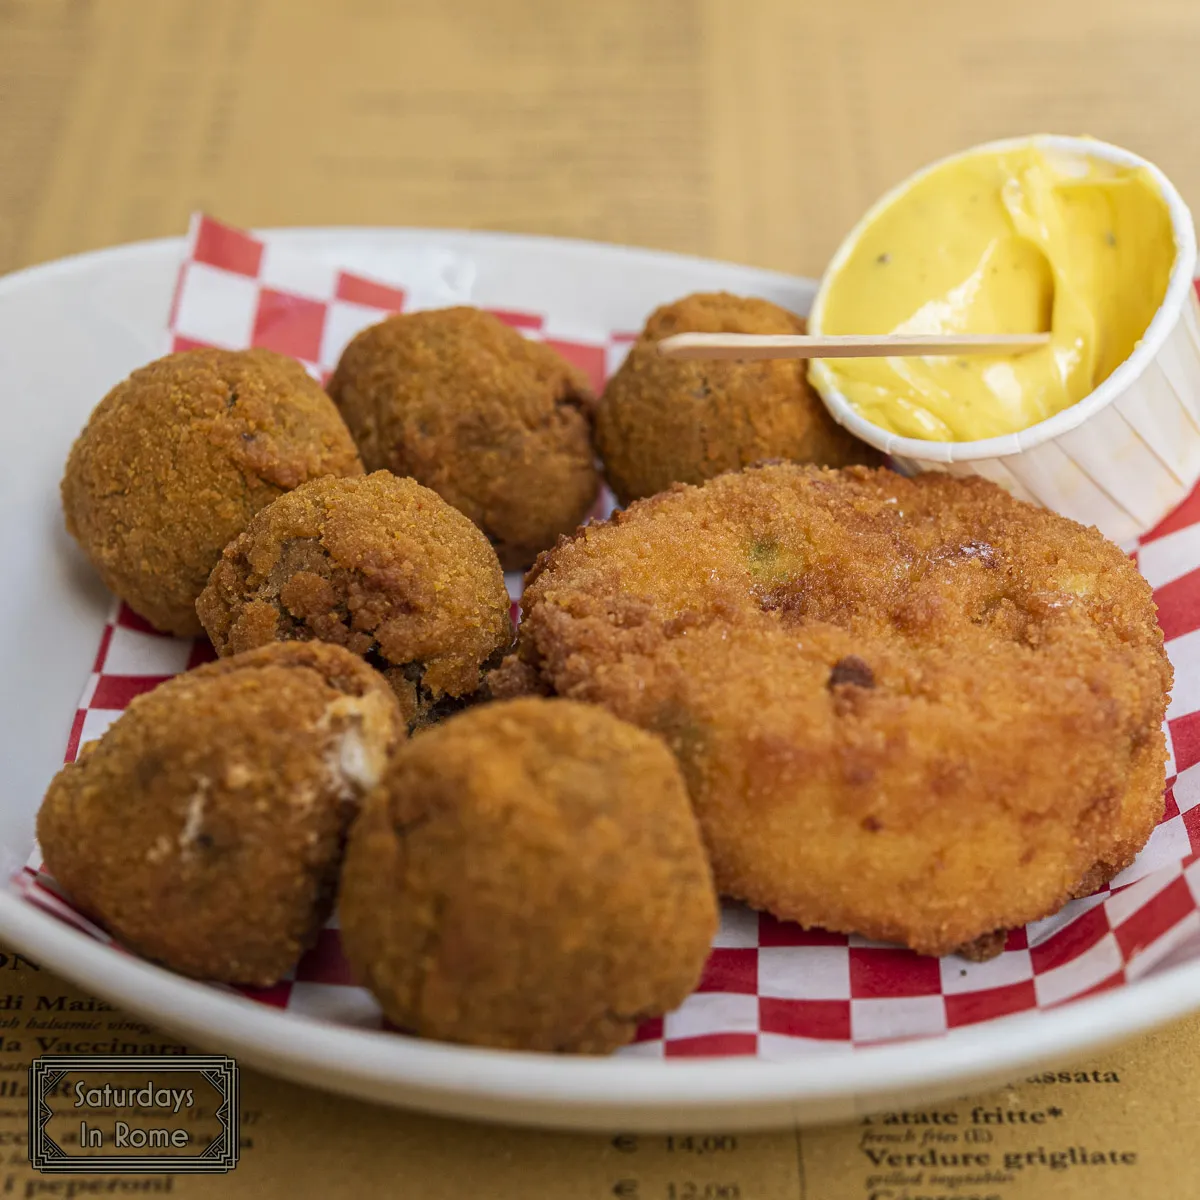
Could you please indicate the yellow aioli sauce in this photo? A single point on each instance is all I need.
(1008, 242)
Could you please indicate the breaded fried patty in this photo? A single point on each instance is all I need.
(662, 421)
(528, 875)
(174, 461)
(915, 709)
(496, 424)
(205, 829)
(380, 565)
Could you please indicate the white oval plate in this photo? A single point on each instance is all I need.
(68, 331)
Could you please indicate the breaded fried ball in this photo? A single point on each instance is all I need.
(174, 461)
(498, 425)
(377, 564)
(528, 875)
(205, 829)
(919, 710)
(662, 421)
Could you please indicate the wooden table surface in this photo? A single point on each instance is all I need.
(755, 130)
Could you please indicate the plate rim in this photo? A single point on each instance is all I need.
(619, 1086)
(415, 233)
(593, 1093)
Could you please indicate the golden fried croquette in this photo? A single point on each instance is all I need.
(380, 565)
(497, 425)
(174, 461)
(528, 875)
(662, 421)
(205, 829)
(914, 709)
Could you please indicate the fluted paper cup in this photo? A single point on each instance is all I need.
(1122, 457)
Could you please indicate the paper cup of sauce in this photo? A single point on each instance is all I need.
(1124, 455)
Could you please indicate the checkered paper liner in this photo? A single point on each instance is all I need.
(769, 988)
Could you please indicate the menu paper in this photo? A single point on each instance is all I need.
(1105, 1130)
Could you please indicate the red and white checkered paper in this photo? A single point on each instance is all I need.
(770, 988)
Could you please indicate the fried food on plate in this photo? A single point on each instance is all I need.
(663, 421)
(174, 461)
(380, 565)
(205, 829)
(496, 424)
(528, 875)
(914, 709)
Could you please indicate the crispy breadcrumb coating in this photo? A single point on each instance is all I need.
(914, 709)
(175, 461)
(380, 565)
(496, 424)
(528, 875)
(663, 421)
(205, 829)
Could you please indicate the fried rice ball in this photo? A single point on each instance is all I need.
(379, 565)
(919, 710)
(498, 425)
(174, 461)
(528, 875)
(662, 421)
(205, 829)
